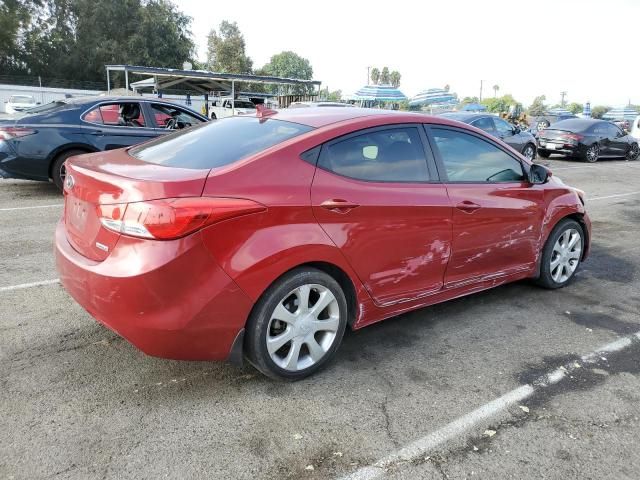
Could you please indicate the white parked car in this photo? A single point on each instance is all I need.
(226, 107)
(18, 103)
(635, 128)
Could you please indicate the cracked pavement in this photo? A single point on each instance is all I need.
(78, 402)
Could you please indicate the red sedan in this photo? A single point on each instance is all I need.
(265, 237)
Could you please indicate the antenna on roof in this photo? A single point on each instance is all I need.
(264, 112)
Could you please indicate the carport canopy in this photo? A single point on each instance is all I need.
(201, 81)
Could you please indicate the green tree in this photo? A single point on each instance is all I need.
(467, 100)
(395, 78)
(538, 107)
(495, 90)
(375, 76)
(499, 104)
(599, 110)
(332, 96)
(574, 107)
(226, 50)
(385, 76)
(15, 19)
(290, 65)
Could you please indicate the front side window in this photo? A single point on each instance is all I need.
(504, 128)
(219, 143)
(485, 124)
(124, 114)
(173, 118)
(467, 158)
(389, 155)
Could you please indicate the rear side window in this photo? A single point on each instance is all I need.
(485, 124)
(468, 158)
(126, 114)
(217, 143)
(390, 155)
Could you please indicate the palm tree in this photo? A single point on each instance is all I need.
(375, 76)
(447, 88)
(395, 78)
(495, 90)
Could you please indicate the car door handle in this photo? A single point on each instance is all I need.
(467, 206)
(338, 205)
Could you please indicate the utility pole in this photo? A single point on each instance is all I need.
(480, 90)
(562, 95)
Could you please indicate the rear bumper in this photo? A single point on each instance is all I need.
(572, 150)
(169, 299)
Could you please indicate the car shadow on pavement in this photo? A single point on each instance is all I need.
(22, 189)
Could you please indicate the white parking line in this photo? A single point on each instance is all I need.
(421, 447)
(29, 285)
(617, 195)
(30, 208)
(614, 165)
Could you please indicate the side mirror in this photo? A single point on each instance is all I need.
(539, 174)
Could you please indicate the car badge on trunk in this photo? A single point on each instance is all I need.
(69, 182)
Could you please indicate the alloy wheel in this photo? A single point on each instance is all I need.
(592, 153)
(634, 151)
(303, 327)
(529, 152)
(566, 255)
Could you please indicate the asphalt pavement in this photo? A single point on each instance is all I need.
(76, 401)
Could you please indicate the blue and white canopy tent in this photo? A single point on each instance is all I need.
(371, 95)
(474, 107)
(621, 113)
(434, 99)
(559, 111)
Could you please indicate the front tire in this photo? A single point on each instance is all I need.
(58, 171)
(634, 152)
(297, 325)
(529, 151)
(561, 255)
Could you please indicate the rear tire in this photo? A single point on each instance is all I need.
(297, 325)
(561, 255)
(592, 153)
(634, 152)
(58, 172)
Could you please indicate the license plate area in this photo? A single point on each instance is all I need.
(77, 213)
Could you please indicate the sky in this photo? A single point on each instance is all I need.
(587, 48)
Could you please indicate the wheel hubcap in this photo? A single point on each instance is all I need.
(303, 327)
(566, 255)
(633, 153)
(592, 153)
(529, 153)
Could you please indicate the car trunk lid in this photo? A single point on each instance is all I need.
(105, 183)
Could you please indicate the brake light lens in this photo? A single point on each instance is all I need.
(572, 137)
(7, 133)
(173, 218)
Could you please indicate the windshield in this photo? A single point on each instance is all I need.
(218, 143)
(243, 104)
(21, 99)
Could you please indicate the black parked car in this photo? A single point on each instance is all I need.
(587, 139)
(517, 139)
(34, 144)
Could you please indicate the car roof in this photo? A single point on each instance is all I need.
(321, 116)
(464, 116)
(577, 124)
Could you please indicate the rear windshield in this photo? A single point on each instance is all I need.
(573, 124)
(217, 143)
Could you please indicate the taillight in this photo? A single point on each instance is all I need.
(572, 137)
(172, 218)
(7, 133)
